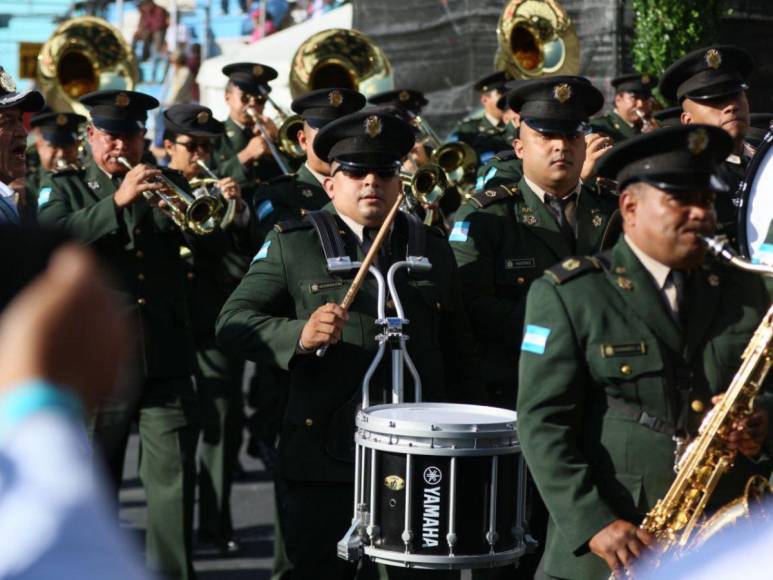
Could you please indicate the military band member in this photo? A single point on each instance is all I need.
(408, 103)
(710, 85)
(625, 350)
(56, 149)
(189, 134)
(103, 205)
(243, 153)
(504, 167)
(13, 144)
(287, 306)
(485, 133)
(633, 99)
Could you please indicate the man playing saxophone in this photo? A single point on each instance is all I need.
(624, 352)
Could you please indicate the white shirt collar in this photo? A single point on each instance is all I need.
(623, 119)
(317, 175)
(540, 193)
(658, 271)
(353, 225)
(493, 120)
(238, 124)
(8, 193)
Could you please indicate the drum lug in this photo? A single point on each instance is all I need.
(350, 547)
(374, 533)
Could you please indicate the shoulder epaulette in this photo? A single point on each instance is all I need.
(573, 267)
(506, 155)
(498, 193)
(291, 225)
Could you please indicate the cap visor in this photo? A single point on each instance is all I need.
(562, 127)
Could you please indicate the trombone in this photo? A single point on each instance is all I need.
(288, 129)
(200, 213)
(253, 114)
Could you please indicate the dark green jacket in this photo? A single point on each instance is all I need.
(288, 280)
(288, 197)
(504, 239)
(486, 139)
(614, 126)
(141, 247)
(595, 332)
(502, 169)
(727, 204)
(225, 162)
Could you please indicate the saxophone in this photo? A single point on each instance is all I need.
(676, 520)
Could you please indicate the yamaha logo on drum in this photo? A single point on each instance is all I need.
(430, 532)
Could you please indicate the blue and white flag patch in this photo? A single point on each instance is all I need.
(459, 232)
(264, 209)
(764, 255)
(43, 196)
(262, 253)
(535, 339)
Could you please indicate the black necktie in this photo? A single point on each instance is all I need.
(382, 258)
(564, 209)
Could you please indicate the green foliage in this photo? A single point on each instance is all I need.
(668, 29)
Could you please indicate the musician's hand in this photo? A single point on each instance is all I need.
(619, 544)
(324, 326)
(137, 180)
(596, 145)
(255, 148)
(270, 127)
(748, 435)
(66, 327)
(232, 190)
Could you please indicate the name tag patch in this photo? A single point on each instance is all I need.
(535, 339)
(519, 263)
(459, 232)
(627, 349)
(262, 253)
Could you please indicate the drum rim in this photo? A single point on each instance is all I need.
(369, 421)
(445, 562)
(745, 191)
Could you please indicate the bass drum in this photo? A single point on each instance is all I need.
(756, 212)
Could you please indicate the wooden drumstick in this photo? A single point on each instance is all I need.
(351, 293)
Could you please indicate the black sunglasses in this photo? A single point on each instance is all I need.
(361, 173)
(246, 97)
(191, 146)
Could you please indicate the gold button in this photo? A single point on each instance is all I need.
(626, 369)
(139, 254)
(141, 301)
(438, 306)
(137, 231)
(609, 350)
(520, 279)
(309, 422)
(697, 406)
(140, 276)
(189, 275)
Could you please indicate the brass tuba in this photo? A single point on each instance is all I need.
(340, 58)
(83, 55)
(537, 38)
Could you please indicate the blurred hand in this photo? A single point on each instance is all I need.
(747, 436)
(596, 145)
(619, 544)
(65, 327)
(324, 326)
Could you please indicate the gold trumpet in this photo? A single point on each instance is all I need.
(426, 186)
(253, 114)
(200, 213)
(210, 185)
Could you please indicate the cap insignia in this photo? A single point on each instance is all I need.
(373, 126)
(713, 58)
(404, 96)
(713, 280)
(257, 70)
(697, 141)
(645, 79)
(336, 98)
(61, 120)
(122, 100)
(562, 92)
(6, 82)
(202, 117)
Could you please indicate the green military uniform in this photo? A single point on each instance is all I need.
(503, 169)
(503, 239)
(609, 336)
(141, 247)
(613, 367)
(264, 317)
(484, 137)
(614, 126)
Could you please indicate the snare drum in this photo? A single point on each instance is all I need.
(441, 486)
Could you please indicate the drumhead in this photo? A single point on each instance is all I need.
(756, 212)
(438, 419)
